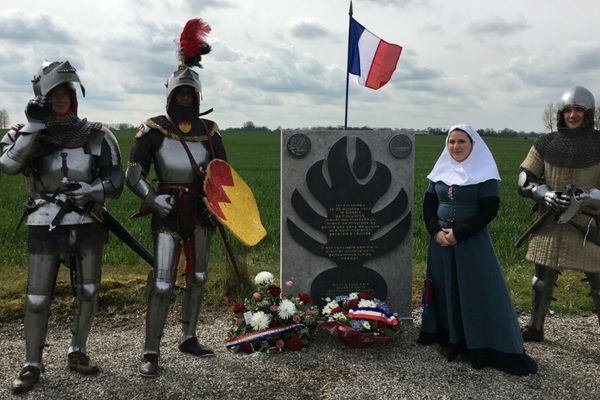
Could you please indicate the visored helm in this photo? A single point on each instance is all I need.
(53, 74)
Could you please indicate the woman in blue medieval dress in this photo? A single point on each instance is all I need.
(467, 308)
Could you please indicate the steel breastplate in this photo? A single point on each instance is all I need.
(48, 179)
(172, 163)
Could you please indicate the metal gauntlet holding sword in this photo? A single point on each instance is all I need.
(562, 206)
(77, 202)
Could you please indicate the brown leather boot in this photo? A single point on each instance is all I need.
(26, 380)
(81, 363)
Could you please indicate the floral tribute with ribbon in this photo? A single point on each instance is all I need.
(271, 320)
(359, 319)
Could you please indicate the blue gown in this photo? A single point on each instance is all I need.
(471, 312)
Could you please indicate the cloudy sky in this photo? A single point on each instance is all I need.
(494, 63)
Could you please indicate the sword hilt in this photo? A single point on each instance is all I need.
(64, 168)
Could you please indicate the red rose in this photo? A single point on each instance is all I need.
(365, 296)
(239, 307)
(352, 303)
(274, 291)
(304, 297)
(246, 348)
(294, 343)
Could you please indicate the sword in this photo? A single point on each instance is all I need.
(120, 232)
(533, 227)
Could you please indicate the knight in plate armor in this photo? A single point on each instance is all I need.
(71, 167)
(179, 145)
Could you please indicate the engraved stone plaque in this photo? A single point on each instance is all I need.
(346, 215)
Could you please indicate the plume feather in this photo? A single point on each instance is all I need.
(192, 42)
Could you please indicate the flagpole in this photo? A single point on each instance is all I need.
(347, 67)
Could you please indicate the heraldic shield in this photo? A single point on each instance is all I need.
(232, 202)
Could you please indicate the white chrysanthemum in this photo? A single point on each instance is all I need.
(264, 278)
(340, 317)
(367, 304)
(366, 325)
(286, 309)
(260, 320)
(353, 296)
(330, 306)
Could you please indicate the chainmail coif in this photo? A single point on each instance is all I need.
(570, 148)
(69, 130)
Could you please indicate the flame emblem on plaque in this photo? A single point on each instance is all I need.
(354, 232)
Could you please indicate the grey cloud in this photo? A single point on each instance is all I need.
(15, 80)
(498, 26)
(398, 3)
(286, 71)
(585, 56)
(309, 29)
(221, 52)
(19, 27)
(195, 5)
(191, 5)
(427, 28)
(575, 62)
(413, 76)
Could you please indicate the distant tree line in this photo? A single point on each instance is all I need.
(4, 119)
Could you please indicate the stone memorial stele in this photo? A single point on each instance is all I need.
(346, 214)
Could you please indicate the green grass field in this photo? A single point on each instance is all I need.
(255, 156)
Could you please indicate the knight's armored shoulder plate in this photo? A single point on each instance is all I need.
(16, 128)
(211, 127)
(94, 142)
(113, 144)
(160, 123)
(10, 136)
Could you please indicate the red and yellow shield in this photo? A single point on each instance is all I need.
(231, 201)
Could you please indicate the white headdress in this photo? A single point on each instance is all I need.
(478, 167)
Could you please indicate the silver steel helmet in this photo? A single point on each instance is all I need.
(184, 77)
(53, 74)
(577, 96)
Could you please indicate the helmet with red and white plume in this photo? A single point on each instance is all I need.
(192, 46)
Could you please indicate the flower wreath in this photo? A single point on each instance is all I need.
(359, 319)
(271, 320)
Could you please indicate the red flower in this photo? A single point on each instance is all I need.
(336, 310)
(365, 296)
(352, 303)
(304, 297)
(239, 307)
(246, 348)
(294, 343)
(274, 291)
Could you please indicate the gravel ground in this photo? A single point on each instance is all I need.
(569, 367)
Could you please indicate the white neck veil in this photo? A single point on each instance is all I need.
(478, 167)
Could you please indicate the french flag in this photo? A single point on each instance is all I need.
(372, 59)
